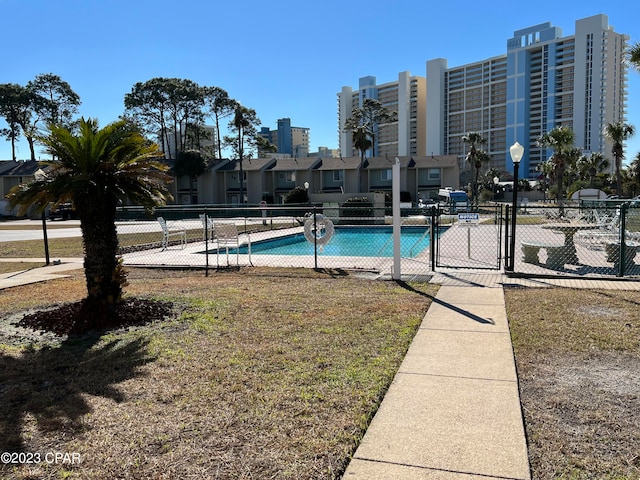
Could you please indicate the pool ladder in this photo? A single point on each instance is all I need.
(426, 232)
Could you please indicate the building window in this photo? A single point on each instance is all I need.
(434, 174)
(385, 175)
(290, 176)
(337, 175)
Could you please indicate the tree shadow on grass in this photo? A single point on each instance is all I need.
(49, 384)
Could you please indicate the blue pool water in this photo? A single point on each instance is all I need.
(348, 241)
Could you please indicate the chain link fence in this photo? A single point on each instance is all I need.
(599, 240)
(354, 237)
(593, 239)
(470, 239)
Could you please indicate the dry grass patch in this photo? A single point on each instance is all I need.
(9, 267)
(263, 373)
(578, 358)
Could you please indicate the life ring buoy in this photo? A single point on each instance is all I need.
(323, 229)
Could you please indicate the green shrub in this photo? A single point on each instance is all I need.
(297, 195)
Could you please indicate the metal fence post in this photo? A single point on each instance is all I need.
(432, 238)
(315, 239)
(623, 246)
(506, 238)
(206, 243)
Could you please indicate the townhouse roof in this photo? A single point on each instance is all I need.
(387, 162)
(6, 165)
(289, 164)
(434, 161)
(18, 169)
(248, 164)
(348, 163)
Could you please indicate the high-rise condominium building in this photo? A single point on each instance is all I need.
(544, 80)
(407, 97)
(289, 140)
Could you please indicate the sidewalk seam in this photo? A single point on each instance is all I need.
(482, 379)
(436, 469)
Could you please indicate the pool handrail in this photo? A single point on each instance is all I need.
(418, 241)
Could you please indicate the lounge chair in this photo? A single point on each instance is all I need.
(207, 226)
(606, 230)
(172, 231)
(225, 235)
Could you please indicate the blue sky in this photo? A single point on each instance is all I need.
(281, 58)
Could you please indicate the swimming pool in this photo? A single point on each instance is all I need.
(348, 242)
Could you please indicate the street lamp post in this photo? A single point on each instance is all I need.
(40, 176)
(496, 181)
(516, 150)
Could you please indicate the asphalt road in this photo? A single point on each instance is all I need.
(33, 229)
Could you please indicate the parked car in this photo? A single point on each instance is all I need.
(64, 211)
(428, 203)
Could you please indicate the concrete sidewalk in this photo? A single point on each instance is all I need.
(39, 274)
(453, 409)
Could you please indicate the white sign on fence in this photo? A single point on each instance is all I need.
(468, 218)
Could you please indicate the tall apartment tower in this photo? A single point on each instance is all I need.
(289, 140)
(406, 96)
(544, 80)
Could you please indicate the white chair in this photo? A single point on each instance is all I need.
(226, 236)
(606, 229)
(172, 231)
(207, 228)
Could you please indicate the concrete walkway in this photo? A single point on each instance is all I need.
(39, 274)
(453, 409)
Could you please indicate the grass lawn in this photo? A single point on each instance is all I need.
(261, 374)
(578, 358)
(72, 246)
(275, 373)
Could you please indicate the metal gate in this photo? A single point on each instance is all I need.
(470, 239)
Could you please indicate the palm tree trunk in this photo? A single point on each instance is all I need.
(618, 177)
(475, 187)
(561, 190)
(102, 267)
(360, 171)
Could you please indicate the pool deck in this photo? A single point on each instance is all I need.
(193, 255)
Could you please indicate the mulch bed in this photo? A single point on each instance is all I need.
(81, 317)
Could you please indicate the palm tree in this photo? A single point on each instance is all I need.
(590, 166)
(633, 173)
(475, 157)
(96, 169)
(560, 140)
(617, 133)
(547, 172)
(371, 116)
(243, 125)
(572, 171)
(633, 55)
(361, 142)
